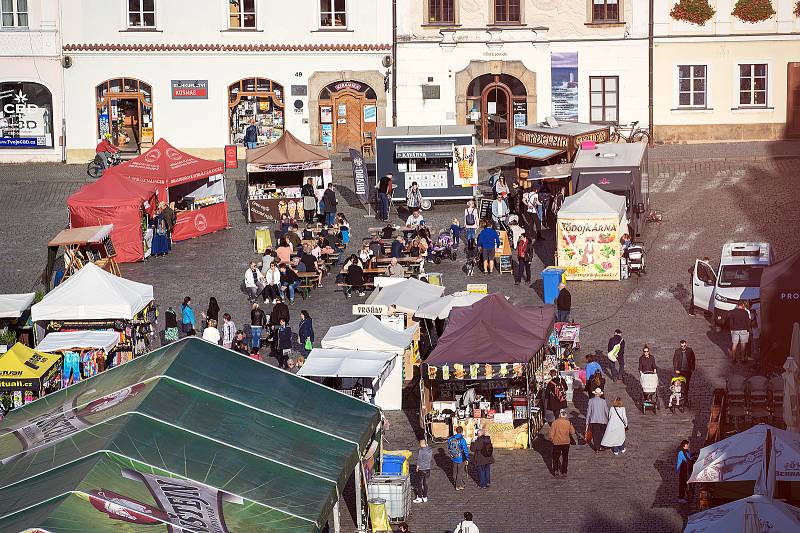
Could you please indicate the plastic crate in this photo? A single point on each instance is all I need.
(392, 465)
(396, 490)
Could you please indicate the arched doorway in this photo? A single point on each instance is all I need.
(348, 115)
(496, 104)
(125, 110)
(259, 100)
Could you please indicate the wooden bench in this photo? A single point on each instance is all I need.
(367, 286)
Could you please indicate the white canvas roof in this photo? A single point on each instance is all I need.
(93, 294)
(65, 340)
(593, 202)
(740, 456)
(405, 296)
(323, 362)
(441, 308)
(369, 334)
(760, 511)
(13, 305)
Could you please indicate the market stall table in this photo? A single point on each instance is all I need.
(90, 244)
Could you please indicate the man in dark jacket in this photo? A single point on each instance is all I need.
(329, 199)
(483, 450)
(355, 278)
(384, 190)
(563, 304)
(556, 393)
(398, 245)
(279, 311)
(289, 281)
(617, 340)
(251, 135)
(683, 364)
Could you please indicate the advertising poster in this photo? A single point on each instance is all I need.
(465, 165)
(370, 113)
(589, 248)
(327, 134)
(564, 85)
(26, 119)
(326, 114)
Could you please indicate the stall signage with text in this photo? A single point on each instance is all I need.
(189, 89)
(366, 309)
(231, 156)
(26, 119)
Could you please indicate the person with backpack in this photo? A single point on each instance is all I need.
(524, 257)
(470, 222)
(459, 454)
(484, 450)
(556, 393)
(616, 355)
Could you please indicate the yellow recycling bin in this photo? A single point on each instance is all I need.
(378, 517)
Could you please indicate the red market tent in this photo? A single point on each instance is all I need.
(115, 200)
(175, 175)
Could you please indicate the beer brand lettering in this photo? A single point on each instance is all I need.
(790, 295)
(347, 85)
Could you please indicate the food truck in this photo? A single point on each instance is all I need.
(441, 159)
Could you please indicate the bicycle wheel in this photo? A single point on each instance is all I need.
(615, 137)
(94, 170)
(641, 136)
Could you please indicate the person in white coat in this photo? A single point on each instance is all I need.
(614, 437)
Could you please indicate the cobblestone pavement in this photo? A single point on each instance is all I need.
(706, 201)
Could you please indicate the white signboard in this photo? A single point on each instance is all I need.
(432, 179)
(366, 309)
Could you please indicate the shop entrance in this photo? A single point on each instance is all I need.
(258, 101)
(495, 105)
(348, 115)
(793, 101)
(125, 111)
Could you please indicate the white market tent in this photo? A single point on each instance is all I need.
(72, 340)
(749, 515)
(405, 296)
(93, 294)
(440, 308)
(13, 305)
(594, 202)
(370, 334)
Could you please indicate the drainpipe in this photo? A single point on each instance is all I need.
(650, 24)
(394, 62)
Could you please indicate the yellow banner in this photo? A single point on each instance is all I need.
(589, 248)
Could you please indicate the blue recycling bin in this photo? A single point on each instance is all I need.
(551, 277)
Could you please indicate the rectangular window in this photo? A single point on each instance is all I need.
(441, 12)
(141, 13)
(753, 84)
(603, 99)
(605, 10)
(14, 13)
(241, 14)
(692, 85)
(506, 11)
(332, 14)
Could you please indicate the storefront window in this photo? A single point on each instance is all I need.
(26, 116)
(258, 101)
(125, 111)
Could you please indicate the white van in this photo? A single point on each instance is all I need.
(738, 278)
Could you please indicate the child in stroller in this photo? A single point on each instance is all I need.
(677, 386)
(443, 247)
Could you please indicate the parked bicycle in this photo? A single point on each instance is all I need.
(632, 133)
(95, 167)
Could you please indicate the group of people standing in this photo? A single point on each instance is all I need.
(163, 223)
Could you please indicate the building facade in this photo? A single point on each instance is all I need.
(198, 72)
(31, 97)
(500, 64)
(726, 80)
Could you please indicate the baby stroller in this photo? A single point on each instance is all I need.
(472, 258)
(635, 256)
(444, 247)
(649, 383)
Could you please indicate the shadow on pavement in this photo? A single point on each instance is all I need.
(646, 520)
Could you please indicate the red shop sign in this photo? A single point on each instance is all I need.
(231, 156)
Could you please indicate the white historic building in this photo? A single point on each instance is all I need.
(31, 99)
(499, 64)
(197, 72)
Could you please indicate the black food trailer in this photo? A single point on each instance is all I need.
(620, 169)
(441, 159)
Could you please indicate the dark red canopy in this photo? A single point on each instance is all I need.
(780, 307)
(493, 330)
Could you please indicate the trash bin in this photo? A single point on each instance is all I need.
(551, 277)
(378, 518)
(435, 278)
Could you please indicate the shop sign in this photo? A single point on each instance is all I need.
(347, 85)
(459, 371)
(360, 173)
(478, 288)
(465, 165)
(543, 139)
(299, 90)
(589, 248)
(367, 309)
(231, 156)
(600, 136)
(26, 115)
(189, 89)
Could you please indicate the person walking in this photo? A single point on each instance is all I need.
(258, 320)
(739, 322)
(470, 222)
(597, 418)
(616, 355)
(524, 257)
(488, 240)
(424, 461)
(228, 331)
(556, 392)
(614, 436)
(563, 304)
(309, 201)
(483, 451)
(562, 435)
(305, 333)
(329, 200)
(284, 339)
(384, 193)
(647, 363)
(683, 362)
(466, 525)
(531, 203)
(188, 321)
(684, 466)
(459, 455)
(251, 135)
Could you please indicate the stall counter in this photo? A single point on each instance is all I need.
(189, 224)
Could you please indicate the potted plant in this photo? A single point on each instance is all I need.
(7, 339)
(693, 11)
(753, 10)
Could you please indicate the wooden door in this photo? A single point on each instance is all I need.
(496, 100)
(348, 116)
(793, 100)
